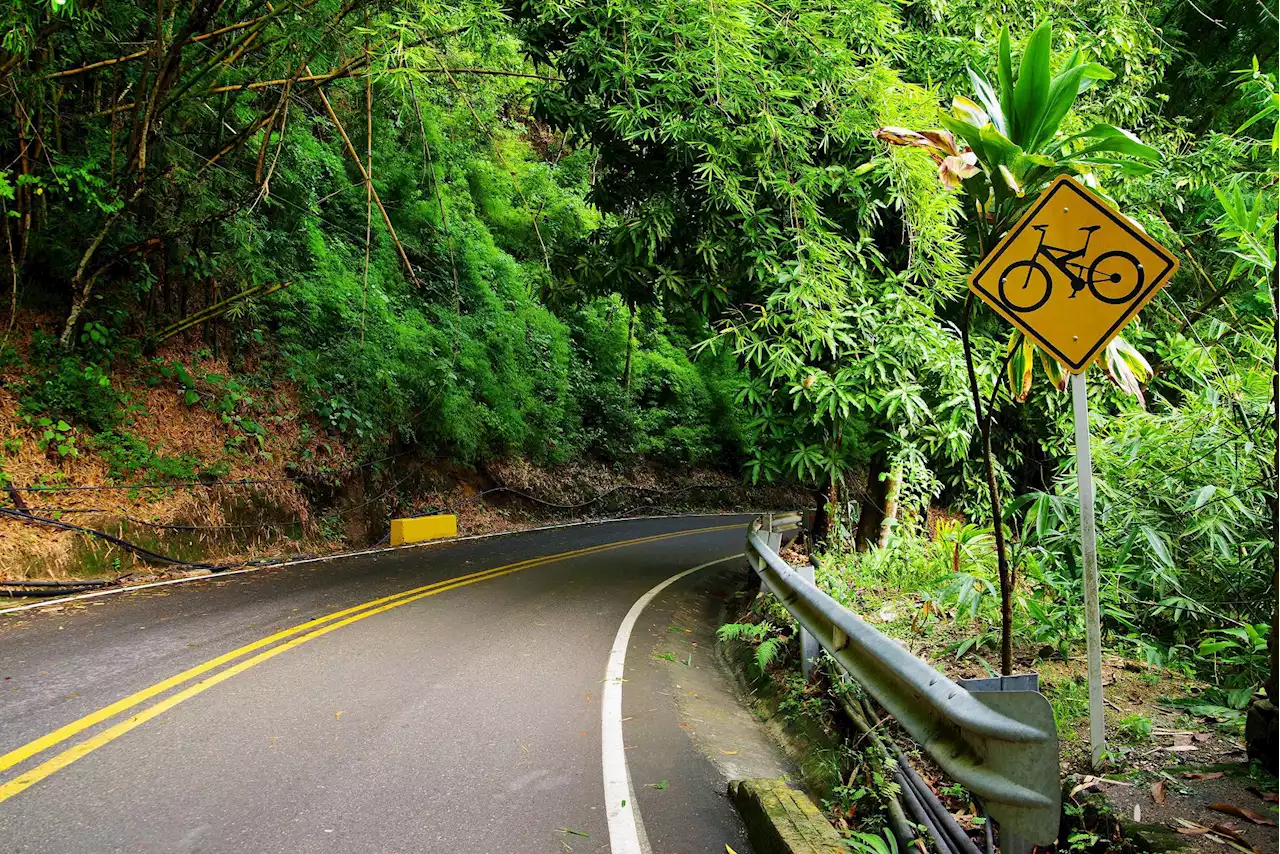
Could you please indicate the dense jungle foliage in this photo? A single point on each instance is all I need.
(708, 231)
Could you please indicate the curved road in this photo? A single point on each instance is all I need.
(446, 698)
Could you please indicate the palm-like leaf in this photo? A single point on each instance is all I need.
(1012, 128)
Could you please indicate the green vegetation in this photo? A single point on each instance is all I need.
(170, 221)
(732, 233)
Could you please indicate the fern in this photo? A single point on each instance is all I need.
(769, 646)
(768, 650)
(744, 631)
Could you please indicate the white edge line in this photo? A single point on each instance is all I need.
(620, 807)
(324, 558)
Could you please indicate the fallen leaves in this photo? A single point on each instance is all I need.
(1203, 775)
(1243, 812)
(1157, 791)
(1222, 833)
(660, 785)
(1090, 781)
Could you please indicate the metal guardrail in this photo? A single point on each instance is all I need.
(1000, 744)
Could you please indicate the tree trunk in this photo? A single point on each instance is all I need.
(997, 515)
(892, 491)
(871, 518)
(821, 520)
(631, 337)
(1273, 510)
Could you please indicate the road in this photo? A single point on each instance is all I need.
(446, 698)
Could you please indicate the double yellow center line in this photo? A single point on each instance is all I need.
(296, 636)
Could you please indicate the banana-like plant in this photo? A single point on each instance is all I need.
(1004, 148)
(1119, 360)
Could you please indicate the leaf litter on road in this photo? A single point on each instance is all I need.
(1243, 812)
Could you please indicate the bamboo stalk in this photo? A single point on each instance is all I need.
(13, 268)
(82, 299)
(210, 312)
(129, 57)
(351, 149)
(368, 178)
(1274, 643)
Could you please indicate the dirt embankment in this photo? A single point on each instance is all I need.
(203, 463)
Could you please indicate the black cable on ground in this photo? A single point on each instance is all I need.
(23, 588)
(201, 484)
(140, 551)
(27, 583)
(166, 526)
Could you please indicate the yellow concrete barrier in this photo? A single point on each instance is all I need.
(423, 528)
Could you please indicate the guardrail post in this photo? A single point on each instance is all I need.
(809, 649)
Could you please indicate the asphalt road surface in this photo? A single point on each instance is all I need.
(446, 698)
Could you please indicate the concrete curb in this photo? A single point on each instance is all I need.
(781, 820)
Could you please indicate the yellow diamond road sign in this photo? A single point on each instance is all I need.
(1072, 273)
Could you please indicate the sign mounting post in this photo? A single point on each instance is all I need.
(1071, 274)
(1089, 550)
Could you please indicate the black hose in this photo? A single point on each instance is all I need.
(946, 821)
(902, 830)
(921, 813)
(25, 583)
(203, 484)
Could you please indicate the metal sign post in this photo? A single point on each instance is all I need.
(1089, 548)
(1070, 274)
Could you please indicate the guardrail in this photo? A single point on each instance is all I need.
(992, 736)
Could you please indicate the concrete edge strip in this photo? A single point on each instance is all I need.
(620, 807)
(326, 558)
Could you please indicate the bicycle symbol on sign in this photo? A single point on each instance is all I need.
(1113, 277)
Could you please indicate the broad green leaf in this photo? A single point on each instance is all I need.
(968, 111)
(1004, 71)
(1031, 91)
(1134, 168)
(997, 152)
(1109, 138)
(1062, 94)
(1210, 647)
